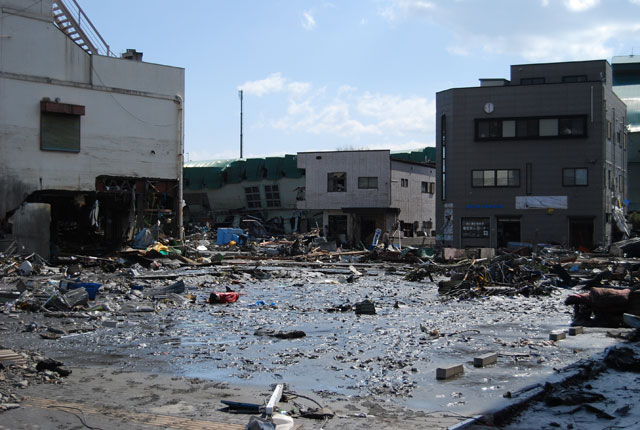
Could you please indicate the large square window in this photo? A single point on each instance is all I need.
(60, 126)
(336, 182)
(549, 127)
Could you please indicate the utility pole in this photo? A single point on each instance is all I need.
(240, 94)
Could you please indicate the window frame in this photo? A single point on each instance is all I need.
(272, 196)
(253, 203)
(573, 79)
(574, 176)
(535, 80)
(364, 183)
(495, 178)
(427, 187)
(528, 128)
(404, 183)
(333, 179)
(67, 117)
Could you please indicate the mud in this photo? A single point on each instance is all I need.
(370, 363)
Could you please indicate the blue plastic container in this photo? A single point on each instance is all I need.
(91, 287)
(226, 235)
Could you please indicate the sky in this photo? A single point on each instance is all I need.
(350, 74)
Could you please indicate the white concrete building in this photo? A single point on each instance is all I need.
(78, 127)
(361, 191)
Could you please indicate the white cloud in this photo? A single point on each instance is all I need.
(398, 115)
(298, 89)
(580, 5)
(571, 44)
(271, 84)
(308, 21)
(399, 9)
(355, 115)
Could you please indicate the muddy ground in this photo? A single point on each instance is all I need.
(135, 369)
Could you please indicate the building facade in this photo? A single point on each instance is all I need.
(361, 191)
(539, 158)
(224, 192)
(626, 84)
(97, 138)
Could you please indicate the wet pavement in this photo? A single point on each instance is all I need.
(391, 356)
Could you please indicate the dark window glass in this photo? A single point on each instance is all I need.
(527, 127)
(575, 177)
(272, 193)
(532, 81)
(495, 178)
(489, 128)
(574, 78)
(571, 126)
(368, 182)
(336, 182)
(253, 197)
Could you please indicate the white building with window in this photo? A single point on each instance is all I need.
(361, 191)
(82, 129)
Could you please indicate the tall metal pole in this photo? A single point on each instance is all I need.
(240, 94)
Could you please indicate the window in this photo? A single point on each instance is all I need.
(549, 127)
(272, 193)
(368, 182)
(253, 197)
(489, 129)
(523, 128)
(575, 177)
(495, 178)
(443, 145)
(428, 187)
(532, 81)
(608, 129)
(573, 126)
(574, 78)
(475, 228)
(404, 183)
(337, 182)
(60, 126)
(527, 128)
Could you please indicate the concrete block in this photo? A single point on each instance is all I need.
(558, 335)
(453, 253)
(487, 252)
(449, 372)
(485, 360)
(575, 330)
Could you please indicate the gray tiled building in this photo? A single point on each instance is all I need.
(539, 158)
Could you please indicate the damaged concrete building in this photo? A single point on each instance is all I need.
(245, 192)
(91, 142)
(539, 158)
(361, 191)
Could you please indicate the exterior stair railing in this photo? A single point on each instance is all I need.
(69, 17)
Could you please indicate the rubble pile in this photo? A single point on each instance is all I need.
(21, 370)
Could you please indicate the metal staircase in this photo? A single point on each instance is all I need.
(69, 17)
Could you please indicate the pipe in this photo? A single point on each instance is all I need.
(179, 220)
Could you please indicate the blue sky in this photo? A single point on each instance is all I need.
(350, 74)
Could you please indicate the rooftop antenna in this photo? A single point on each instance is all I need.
(240, 95)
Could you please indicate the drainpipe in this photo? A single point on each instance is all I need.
(180, 102)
